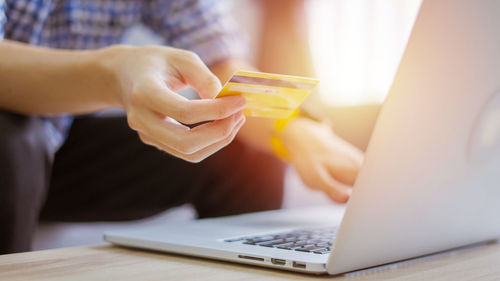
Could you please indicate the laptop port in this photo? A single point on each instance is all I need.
(299, 264)
(278, 261)
(250, 258)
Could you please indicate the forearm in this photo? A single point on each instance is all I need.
(283, 38)
(42, 81)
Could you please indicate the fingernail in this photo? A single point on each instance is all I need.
(243, 118)
(347, 196)
(240, 123)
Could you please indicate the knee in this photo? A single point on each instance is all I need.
(263, 178)
(24, 174)
(264, 169)
(20, 135)
(24, 161)
(24, 154)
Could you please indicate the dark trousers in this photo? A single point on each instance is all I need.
(103, 172)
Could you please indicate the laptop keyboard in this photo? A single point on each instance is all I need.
(318, 241)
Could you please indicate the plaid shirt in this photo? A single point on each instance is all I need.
(202, 26)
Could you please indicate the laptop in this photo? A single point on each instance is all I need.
(431, 177)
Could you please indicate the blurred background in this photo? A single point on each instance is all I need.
(356, 45)
(352, 46)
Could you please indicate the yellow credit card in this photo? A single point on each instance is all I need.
(269, 95)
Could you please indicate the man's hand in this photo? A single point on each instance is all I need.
(142, 80)
(149, 78)
(323, 160)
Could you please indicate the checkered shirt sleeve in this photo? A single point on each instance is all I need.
(3, 19)
(202, 26)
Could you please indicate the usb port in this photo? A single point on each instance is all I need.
(278, 261)
(299, 264)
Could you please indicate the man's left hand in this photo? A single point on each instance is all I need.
(323, 160)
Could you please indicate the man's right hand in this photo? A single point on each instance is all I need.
(148, 79)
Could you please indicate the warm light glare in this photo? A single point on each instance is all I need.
(357, 46)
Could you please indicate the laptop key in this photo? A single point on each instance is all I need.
(258, 239)
(308, 249)
(287, 246)
(283, 236)
(271, 243)
(321, 251)
(314, 241)
(234, 240)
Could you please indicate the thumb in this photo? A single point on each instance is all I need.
(197, 75)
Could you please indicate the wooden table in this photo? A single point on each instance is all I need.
(114, 263)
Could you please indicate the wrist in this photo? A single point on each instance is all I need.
(295, 130)
(106, 62)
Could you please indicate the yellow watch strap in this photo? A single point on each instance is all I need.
(276, 143)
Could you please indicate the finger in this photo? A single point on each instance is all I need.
(209, 133)
(158, 127)
(356, 155)
(161, 99)
(208, 151)
(205, 110)
(337, 191)
(195, 73)
(316, 177)
(198, 156)
(346, 171)
(183, 139)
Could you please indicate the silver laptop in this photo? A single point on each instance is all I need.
(431, 177)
